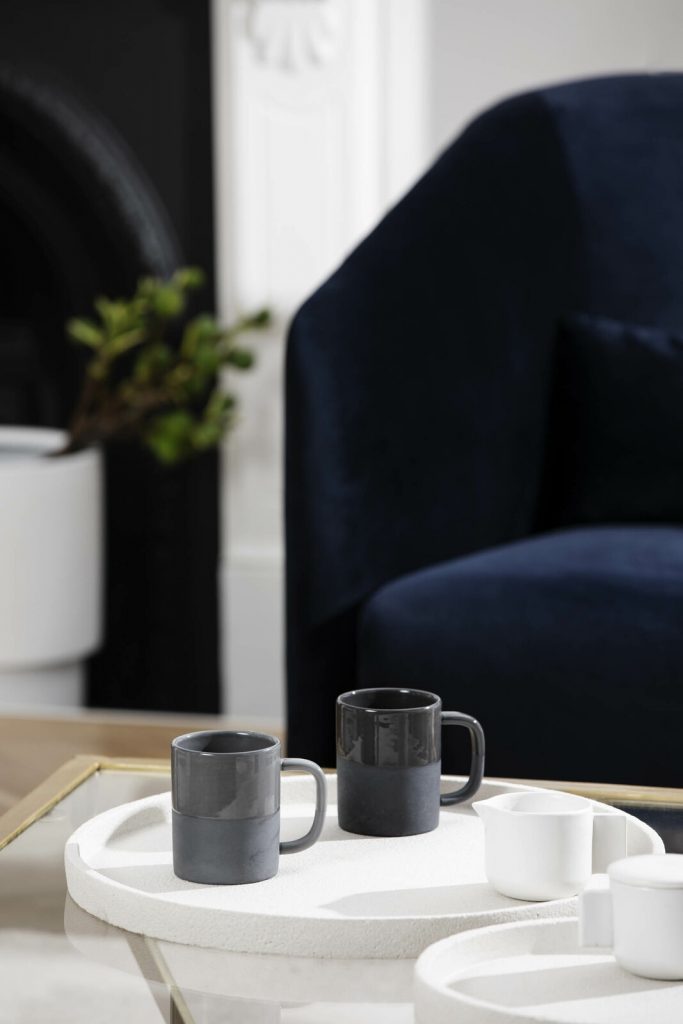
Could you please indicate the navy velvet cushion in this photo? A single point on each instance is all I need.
(566, 646)
(616, 433)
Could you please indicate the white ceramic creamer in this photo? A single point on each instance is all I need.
(546, 846)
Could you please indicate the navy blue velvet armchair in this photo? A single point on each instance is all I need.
(419, 398)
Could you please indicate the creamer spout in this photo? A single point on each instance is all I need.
(483, 809)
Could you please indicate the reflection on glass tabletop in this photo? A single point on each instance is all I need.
(667, 819)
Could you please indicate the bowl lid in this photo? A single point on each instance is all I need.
(652, 870)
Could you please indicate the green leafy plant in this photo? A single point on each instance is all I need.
(154, 373)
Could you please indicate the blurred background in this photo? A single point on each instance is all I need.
(261, 140)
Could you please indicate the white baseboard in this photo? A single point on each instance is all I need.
(57, 686)
(253, 632)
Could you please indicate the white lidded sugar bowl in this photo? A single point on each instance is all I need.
(636, 909)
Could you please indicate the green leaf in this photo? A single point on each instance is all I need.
(85, 332)
(262, 318)
(206, 435)
(240, 358)
(151, 363)
(189, 278)
(219, 405)
(129, 339)
(147, 286)
(164, 393)
(168, 302)
(112, 313)
(165, 450)
(169, 435)
(200, 329)
(206, 359)
(177, 424)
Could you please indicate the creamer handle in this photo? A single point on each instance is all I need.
(610, 841)
(595, 914)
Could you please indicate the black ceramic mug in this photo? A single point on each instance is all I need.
(389, 761)
(226, 806)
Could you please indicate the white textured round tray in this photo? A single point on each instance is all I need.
(252, 977)
(535, 971)
(347, 896)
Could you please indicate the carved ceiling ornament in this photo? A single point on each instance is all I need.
(294, 34)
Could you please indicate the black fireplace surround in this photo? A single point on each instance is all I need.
(105, 174)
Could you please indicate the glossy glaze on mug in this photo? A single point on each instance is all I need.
(389, 728)
(246, 784)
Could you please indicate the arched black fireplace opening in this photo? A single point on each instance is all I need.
(78, 218)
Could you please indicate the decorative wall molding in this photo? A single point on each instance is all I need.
(293, 34)
(320, 122)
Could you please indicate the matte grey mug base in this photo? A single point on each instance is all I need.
(215, 851)
(388, 801)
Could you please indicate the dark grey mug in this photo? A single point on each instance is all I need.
(226, 806)
(389, 761)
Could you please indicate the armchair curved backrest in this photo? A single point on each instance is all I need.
(418, 375)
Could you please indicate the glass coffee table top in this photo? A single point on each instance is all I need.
(59, 964)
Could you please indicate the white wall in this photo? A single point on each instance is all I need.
(484, 50)
(325, 111)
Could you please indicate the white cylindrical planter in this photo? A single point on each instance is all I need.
(51, 530)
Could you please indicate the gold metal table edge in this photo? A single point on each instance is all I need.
(63, 781)
(609, 793)
(155, 765)
(70, 775)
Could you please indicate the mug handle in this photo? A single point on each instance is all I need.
(478, 750)
(297, 764)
